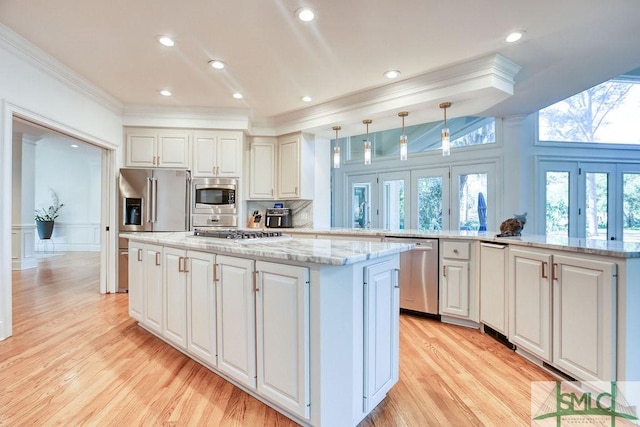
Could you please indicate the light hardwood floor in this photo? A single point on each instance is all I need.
(76, 358)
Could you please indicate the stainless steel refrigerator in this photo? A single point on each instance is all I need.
(150, 200)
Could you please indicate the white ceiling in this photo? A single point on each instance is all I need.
(274, 59)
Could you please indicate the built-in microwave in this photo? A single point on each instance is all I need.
(214, 196)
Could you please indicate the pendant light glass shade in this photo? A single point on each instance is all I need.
(367, 144)
(446, 142)
(403, 138)
(336, 150)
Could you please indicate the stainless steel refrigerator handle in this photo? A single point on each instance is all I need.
(154, 199)
(148, 197)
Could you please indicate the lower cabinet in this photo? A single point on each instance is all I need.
(136, 281)
(282, 335)
(235, 316)
(201, 307)
(176, 271)
(457, 286)
(381, 334)
(493, 286)
(562, 310)
(153, 293)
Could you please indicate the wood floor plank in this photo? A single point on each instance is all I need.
(77, 358)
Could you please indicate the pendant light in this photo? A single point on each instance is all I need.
(367, 144)
(446, 142)
(403, 137)
(336, 149)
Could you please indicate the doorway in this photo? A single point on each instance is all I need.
(107, 235)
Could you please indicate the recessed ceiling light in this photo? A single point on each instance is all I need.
(392, 74)
(165, 92)
(515, 36)
(238, 95)
(74, 146)
(307, 98)
(305, 14)
(217, 64)
(166, 41)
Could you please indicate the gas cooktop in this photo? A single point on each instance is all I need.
(235, 233)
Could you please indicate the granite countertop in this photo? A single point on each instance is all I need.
(612, 248)
(332, 252)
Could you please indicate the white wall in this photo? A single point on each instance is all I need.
(28, 88)
(74, 174)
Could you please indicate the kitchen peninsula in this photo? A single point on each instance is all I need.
(309, 327)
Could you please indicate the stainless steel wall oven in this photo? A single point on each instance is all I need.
(214, 202)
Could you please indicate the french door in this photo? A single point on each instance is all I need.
(458, 198)
(590, 200)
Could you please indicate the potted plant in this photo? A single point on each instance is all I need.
(45, 217)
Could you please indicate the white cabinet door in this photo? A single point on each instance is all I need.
(289, 168)
(584, 308)
(454, 288)
(493, 286)
(136, 281)
(141, 148)
(282, 332)
(217, 153)
(204, 155)
(173, 149)
(262, 179)
(530, 301)
(150, 148)
(229, 155)
(236, 319)
(201, 307)
(381, 331)
(153, 289)
(175, 275)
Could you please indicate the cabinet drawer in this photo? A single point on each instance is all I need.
(455, 250)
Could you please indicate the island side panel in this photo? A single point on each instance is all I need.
(628, 349)
(337, 342)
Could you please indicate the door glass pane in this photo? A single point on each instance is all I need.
(361, 203)
(393, 204)
(557, 208)
(596, 205)
(430, 203)
(473, 201)
(631, 207)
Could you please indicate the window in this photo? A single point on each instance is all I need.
(606, 113)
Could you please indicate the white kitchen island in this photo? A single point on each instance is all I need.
(310, 327)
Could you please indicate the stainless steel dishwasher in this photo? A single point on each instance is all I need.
(419, 275)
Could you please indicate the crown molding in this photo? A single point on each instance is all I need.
(191, 117)
(36, 57)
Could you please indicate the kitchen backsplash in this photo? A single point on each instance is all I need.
(302, 211)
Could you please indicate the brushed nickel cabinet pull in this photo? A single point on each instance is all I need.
(444, 271)
(215, 272)
(185, 264)
(139, 254)
(544, 269)
(255, 281)
(180, 268)
(157, 258)
(554, 271)
(397, 285)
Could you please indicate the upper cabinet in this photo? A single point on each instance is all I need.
(163, 148)
(281, 168)
(217, 154)
(262, 170)
(295, 173)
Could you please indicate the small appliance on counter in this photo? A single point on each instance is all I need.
(278, 218)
